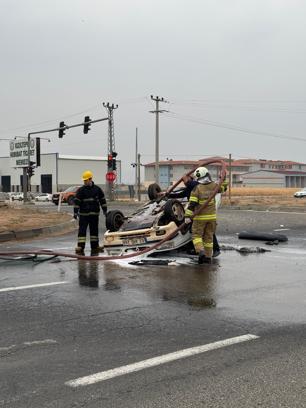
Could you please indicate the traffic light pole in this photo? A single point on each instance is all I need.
(111, 144)
(26, 178)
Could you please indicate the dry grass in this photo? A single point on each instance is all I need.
(264, 198)
(19, 218)
(263, 192)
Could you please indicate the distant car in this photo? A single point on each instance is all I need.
(16, 196)
(44, 197)
(301, 193)
(67, 195)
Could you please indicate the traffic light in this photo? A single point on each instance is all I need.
(86, 125)
(62, 129)
(114, 164)
(30, 171)
(110, 161)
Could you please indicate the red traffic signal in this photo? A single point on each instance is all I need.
(110, 176)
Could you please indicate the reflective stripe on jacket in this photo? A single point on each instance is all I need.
(88, 200)
(199, 196)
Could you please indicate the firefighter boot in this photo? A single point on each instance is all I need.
(203, 259)
(79, 250)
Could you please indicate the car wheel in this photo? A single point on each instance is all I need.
(70, 201)
(153, 191)
(114, 220)
(174, 211)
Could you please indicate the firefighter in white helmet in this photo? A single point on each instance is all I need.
(88, 200)
(204, 223)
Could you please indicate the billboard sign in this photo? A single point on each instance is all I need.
(19, 152)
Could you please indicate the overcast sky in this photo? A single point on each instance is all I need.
(222, 65)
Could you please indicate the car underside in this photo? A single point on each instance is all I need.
(150, 224)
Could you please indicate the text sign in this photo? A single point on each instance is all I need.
(19, 152)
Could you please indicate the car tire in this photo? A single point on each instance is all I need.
(153, 191)
(114, 220)
(70, 201)
(174, 211)
(262, 236)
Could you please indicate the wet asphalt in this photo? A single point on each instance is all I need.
(96, 316)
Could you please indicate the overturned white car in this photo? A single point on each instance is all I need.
(150, 224)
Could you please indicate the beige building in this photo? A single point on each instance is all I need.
(244, 172)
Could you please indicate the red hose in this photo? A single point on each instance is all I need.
(144, 251)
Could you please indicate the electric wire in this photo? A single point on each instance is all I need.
(228, 126)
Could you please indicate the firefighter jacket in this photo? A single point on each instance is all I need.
(198, 197)
(88, 200)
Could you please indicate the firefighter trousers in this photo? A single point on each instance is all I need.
(93, 222)
(202, 236)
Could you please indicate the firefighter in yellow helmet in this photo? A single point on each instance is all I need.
(88, 200)
(204, 223)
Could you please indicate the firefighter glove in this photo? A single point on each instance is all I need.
(224, 185)
(188, 220)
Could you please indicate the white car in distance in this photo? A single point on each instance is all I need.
(301, 193)
(16, 196)
(44, 197)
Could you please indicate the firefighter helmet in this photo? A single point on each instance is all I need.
(200, 172)
(87, 175)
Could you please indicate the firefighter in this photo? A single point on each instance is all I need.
(190, 184)
(87, 204)
(204, 223)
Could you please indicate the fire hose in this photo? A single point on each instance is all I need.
(146, 250)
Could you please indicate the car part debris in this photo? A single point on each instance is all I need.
(244, 250)
(152, 262)
(262, 236)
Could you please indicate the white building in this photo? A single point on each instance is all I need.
(56, 173)
(274, 178)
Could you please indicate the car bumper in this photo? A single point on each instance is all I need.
(120, 243)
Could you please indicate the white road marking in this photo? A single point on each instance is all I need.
(282, 229)
(39, 285)
(7, 348)
(39, 342)
(29, 344)
(156, 361)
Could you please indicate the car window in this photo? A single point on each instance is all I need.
(69, 190)
(72, 189)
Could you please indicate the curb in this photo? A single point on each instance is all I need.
(35, 232)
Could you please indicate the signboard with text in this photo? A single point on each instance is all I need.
(19, 152)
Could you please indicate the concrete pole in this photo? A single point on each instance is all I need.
(136, 158)
(138, 177)
(157, 143)
(230, 177)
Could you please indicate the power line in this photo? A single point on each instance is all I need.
(230, 126)
(89, 109)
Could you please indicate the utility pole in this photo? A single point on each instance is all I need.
(111, 144)
(136, 156)
(157, 111)
(138, 177)
(230, 177)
